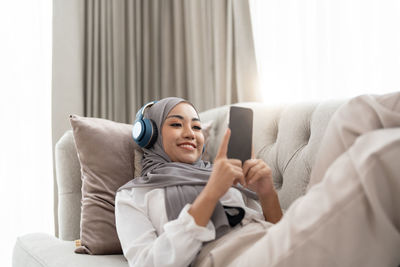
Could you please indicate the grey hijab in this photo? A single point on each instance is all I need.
(182, 182)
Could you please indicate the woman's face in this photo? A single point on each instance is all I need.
(182, 136)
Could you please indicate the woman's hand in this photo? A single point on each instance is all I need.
(258, 177)
(226, 172)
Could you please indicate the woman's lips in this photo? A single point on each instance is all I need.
(189, 147)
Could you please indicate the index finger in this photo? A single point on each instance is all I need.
(223, 148)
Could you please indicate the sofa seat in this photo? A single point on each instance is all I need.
(39, 250)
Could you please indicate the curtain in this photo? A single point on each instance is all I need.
(112, 57)
(315, 50)
(138, 51)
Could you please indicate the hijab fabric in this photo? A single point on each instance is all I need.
(182, 182)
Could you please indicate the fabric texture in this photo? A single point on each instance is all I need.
(106, 155)
(182, 182)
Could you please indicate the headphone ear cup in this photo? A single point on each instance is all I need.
(154, 134)
(144, 131)
(146, 134)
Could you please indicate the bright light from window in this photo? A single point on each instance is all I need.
(26, 183)
(319, 49)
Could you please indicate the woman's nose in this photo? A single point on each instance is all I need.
(188, 132)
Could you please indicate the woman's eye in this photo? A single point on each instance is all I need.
(197, 127)
(175, 124)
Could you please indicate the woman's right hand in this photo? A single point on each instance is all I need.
(226, 172)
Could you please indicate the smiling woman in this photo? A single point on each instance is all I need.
(200, 201)
(26, 175)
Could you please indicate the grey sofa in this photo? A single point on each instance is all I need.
(285, 136)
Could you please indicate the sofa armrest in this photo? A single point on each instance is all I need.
(68, 172)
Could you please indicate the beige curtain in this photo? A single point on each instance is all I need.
(111, 57)
(138, 51)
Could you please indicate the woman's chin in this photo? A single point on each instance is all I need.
(189, 157)
(188, 160)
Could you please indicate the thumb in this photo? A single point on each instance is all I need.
(223, 147)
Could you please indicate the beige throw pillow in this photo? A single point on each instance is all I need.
(106, 153)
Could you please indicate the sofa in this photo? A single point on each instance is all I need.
(286, 136)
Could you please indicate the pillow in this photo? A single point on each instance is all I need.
(106, 154)
(347, 124)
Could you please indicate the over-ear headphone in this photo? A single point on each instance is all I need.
(144, 131)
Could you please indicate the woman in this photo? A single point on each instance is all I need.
(180, 203)
(177, 151)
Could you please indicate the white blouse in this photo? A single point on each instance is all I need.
(149, 239)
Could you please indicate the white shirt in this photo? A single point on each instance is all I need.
(149, 239)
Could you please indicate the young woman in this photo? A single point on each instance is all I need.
(183, 211)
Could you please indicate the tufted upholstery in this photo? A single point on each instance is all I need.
(287, 137)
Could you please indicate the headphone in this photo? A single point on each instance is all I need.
(144, 131)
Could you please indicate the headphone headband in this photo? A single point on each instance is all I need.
(142, 109)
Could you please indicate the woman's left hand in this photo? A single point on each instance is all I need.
(258, 176)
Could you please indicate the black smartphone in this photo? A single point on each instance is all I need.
(241, 125)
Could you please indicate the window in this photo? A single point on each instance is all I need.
(318, 49)
(26, 174)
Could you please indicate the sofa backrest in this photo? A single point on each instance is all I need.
(286, 136)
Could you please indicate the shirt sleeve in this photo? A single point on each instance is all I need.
(178, 245)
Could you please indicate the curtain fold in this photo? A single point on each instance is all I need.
(112, 57)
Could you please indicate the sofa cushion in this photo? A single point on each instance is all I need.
(40, 250)
(106, 154)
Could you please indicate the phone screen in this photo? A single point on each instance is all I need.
(241, 125)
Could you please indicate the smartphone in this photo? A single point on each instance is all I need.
(241, 125)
